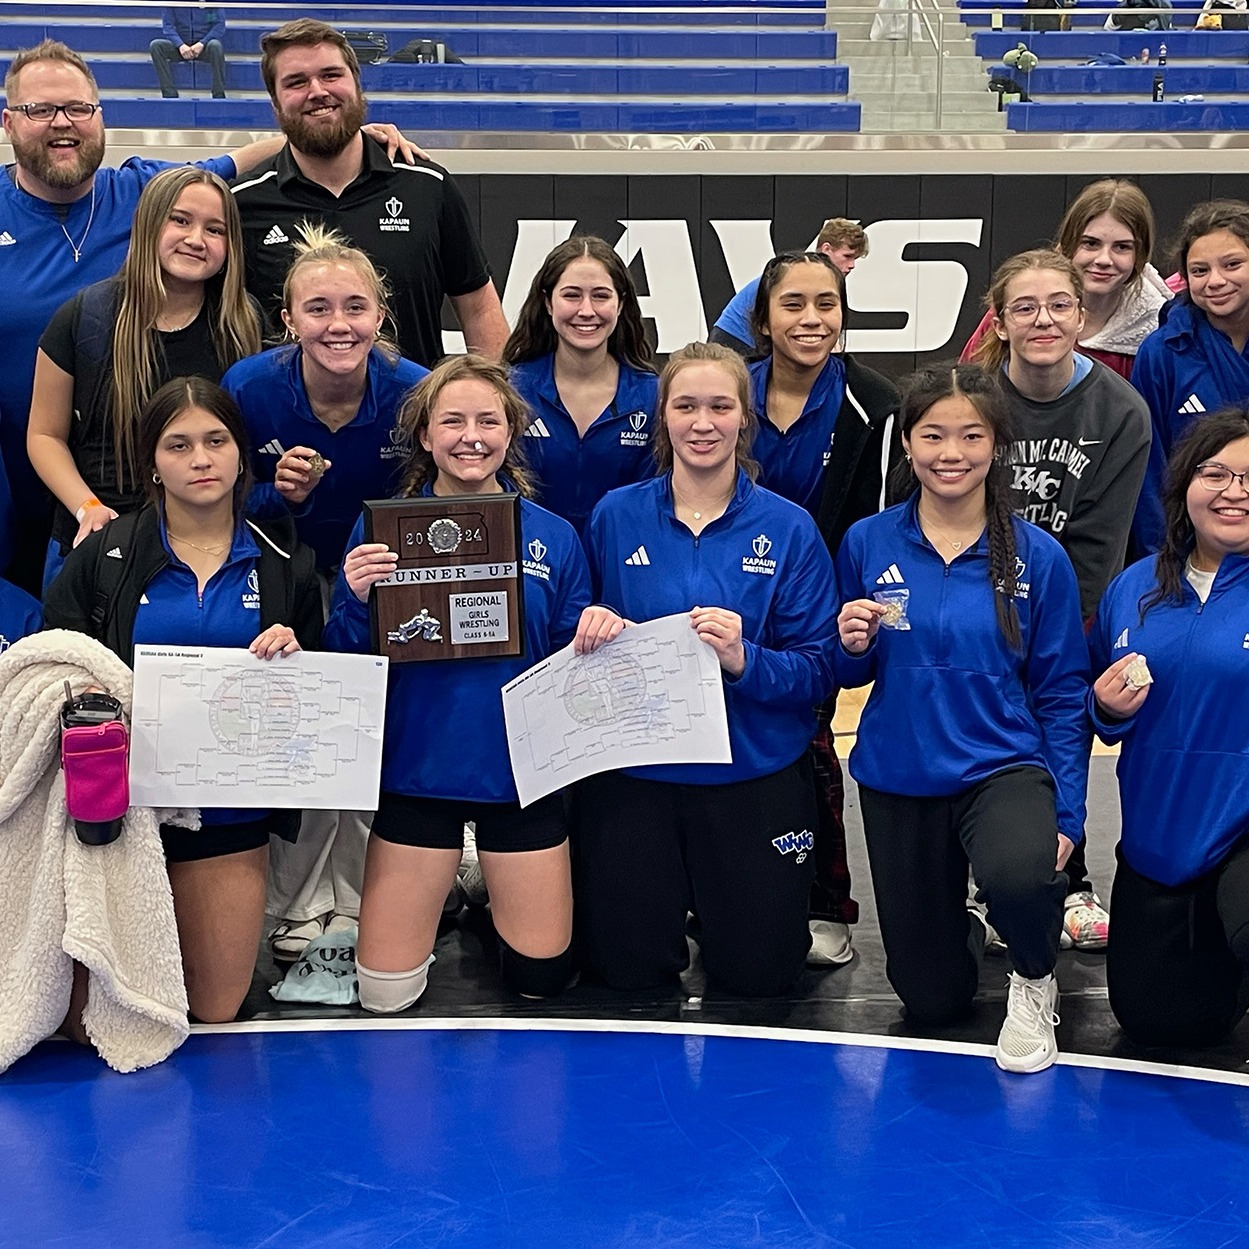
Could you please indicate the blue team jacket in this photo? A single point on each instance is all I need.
(368, 453)
(792, 462)
(444, 720)
(1182, 764)
(1184, 369)
(952, 704)
(20, 614)
(573, 473)
(765, 560)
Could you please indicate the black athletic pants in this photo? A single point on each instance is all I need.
(1175, 968)
(919, 849)
(739, 855)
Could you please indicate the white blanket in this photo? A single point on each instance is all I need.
(108, 907)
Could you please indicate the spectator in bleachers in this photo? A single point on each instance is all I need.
(824, 441)
(580, 359)
(1082, 442)
(64, 223)
(1108, 233)
(177, 309)
(844, 242)
(190, 33)
(1196, 362)
(411, 221)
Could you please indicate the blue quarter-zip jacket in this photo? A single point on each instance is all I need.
(20, 614)
(368, 453)
(792, 462)
(764, 559)
(1184, 369)
(952, 704)
(1184, 755)
(573, 473)
(444, 719)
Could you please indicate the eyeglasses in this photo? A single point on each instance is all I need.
(75, 110)
(1216, 477)
(1025, 311)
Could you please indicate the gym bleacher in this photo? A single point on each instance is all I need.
(1205, 79)
(681, 68)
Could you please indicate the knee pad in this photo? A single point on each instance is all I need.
(535, 977)
(385, 992)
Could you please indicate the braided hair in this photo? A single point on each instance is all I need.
(981, 390)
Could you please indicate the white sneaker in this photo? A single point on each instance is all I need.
(1026, 1042)
(469, 875)
(289, 939)
(830, 944)
(1086, 923)
(341, 923)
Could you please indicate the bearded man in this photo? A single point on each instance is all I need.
(64, 223)
(411, 220)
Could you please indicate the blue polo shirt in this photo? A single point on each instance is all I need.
(735, 319)
(792, 463)
(20, 615)
(173, 612)
(573, 471)
(39, 273)
(368, 453)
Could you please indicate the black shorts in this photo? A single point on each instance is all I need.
(186, 845)
(502, 827)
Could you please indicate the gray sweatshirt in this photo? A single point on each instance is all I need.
(1076, 469)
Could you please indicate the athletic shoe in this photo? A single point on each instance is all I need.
(470, 877)
(830, 944)
(289, 939)
(1026, 1042)
(1086, 923)
(993, 943)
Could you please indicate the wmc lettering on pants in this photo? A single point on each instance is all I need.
(796, 844)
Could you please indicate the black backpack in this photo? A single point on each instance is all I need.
(368, 45)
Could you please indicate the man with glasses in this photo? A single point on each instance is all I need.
(64, 223)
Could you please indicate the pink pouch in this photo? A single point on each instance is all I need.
(96, 761)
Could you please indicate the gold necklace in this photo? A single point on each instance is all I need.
(955, 543)
(175, 329)
(208, 550)
(720, 503)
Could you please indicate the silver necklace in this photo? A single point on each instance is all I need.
(76, 248)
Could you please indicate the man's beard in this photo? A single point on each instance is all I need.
(34, 157)
(323, 140)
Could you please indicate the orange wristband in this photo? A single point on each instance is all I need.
(82, 511)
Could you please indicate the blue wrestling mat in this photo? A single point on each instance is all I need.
(471, 1134)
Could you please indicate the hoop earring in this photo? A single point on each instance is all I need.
(156, 479)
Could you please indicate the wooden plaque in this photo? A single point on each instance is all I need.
(457, 590)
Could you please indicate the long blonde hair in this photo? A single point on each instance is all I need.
(137, 347)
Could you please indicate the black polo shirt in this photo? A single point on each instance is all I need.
(411, 220)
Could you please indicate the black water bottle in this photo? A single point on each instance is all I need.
(1160, 90)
